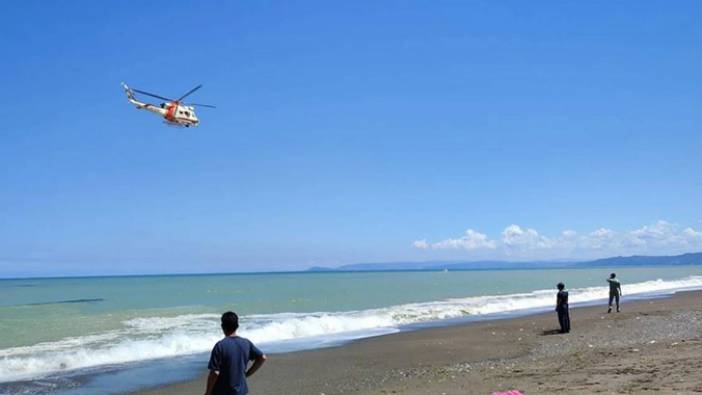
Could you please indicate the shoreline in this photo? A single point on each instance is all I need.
(497, 355)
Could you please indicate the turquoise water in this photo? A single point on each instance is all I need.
(51, 326)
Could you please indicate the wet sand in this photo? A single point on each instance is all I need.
(651, 347)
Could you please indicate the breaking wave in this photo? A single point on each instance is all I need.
(163, 337)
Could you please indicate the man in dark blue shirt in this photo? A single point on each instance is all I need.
(229, 361)
(562, 308)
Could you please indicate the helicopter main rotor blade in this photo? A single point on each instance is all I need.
(190, 92)
(152, 95)
(201, 105)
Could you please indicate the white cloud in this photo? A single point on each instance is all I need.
(691, 234)
(569, 234)
(471, 240)
(514, 237)
(602, 233)
(421, 244)
(598, 239)
(661, 237)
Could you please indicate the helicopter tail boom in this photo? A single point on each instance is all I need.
(141, 105)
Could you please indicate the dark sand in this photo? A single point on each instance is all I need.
(652, 347)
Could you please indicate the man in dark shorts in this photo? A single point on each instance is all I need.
(562, 308)
(615, 291)
(229, 360)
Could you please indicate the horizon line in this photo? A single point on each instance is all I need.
(337, 269)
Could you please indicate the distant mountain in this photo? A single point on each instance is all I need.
(439, 265)
(642, 260)
(321, 269)
(636, 260)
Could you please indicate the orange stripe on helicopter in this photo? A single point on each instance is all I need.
(170, 112)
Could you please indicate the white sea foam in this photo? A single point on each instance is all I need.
(161, 337)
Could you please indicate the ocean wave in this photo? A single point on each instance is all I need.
(163, 337)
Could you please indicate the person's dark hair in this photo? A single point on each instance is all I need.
(230, 322)
(560, 286)
(613, 275)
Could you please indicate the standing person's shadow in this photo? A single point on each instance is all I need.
(550, 332)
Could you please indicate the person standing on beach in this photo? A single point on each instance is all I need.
(229, 360)
(562, 308)
(615, 291)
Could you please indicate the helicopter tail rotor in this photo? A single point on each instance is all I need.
(128, 91)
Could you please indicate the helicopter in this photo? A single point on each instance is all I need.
(173, 111)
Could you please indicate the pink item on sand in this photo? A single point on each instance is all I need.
(513, 392)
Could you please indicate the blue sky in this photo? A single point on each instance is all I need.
(366, 131)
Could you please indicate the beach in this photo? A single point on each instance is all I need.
(652, 346)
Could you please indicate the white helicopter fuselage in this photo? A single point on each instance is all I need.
(173, 113)
(180, 114)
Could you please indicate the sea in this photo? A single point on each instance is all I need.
(113, 335)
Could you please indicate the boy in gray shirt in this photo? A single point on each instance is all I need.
(615, 291)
